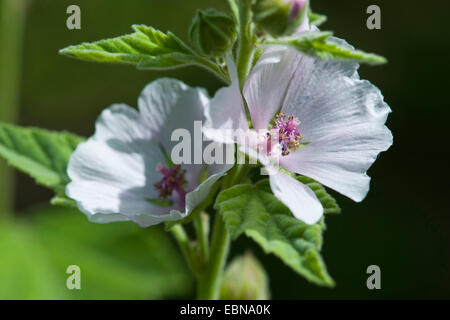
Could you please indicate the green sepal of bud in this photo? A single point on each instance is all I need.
(277, 17)
(245, 279)
(212, 32)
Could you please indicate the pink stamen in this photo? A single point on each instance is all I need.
(289, 136)
(172, 180)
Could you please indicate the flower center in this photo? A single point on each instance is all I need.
(285, 129)
(172, 180)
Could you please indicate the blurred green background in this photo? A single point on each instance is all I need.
(403, 225)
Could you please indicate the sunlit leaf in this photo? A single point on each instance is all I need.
(254, 211)
(320, 45)
(146, 48)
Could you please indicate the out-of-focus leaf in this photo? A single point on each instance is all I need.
(117, 261)
(40, 153)
(63, 201)
(316, 18)
(25, 270)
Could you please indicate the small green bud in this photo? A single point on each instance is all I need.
(212, 32)
(245, 279)
(279, 17)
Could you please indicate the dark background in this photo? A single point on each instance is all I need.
(403, 225)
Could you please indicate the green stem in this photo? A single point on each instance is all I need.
(12, 18)
(241, 171)
(215, 69)
(201, 222)
(184, 243)
(211, 275)
(210, 279)
(246, 49)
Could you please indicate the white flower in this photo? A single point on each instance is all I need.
(329, 125)
(122, 172)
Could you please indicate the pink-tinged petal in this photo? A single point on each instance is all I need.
(270, 80)
(112, 174)
(163, 101)
(299, 198)
(341, 161)
(342, 120)
(267, 84)
(169, 104)
(226, 111)
(121, 118)
(304, 26)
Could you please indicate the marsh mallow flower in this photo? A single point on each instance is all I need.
(311, 117)
(123, 172)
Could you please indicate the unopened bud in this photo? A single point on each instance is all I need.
(245, 279)
(280, 17)
(212, 32)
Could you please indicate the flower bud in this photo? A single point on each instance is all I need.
(279, 17)
(245, 279)
(212, 32)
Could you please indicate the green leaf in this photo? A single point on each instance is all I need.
(318, 45)
(254, 211)
(42, 154)
(25, 270)
(146, 48)
(316, 18)
(117, 261)
(63, 201)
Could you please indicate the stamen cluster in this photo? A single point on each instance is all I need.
(289, 136)
(173, 180)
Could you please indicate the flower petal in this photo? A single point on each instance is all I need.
(114, 171)
(299, 198)
(226, 111)
(199, 194)
(162, 103)
(342, 120)
(123, 119)
(267, 84)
